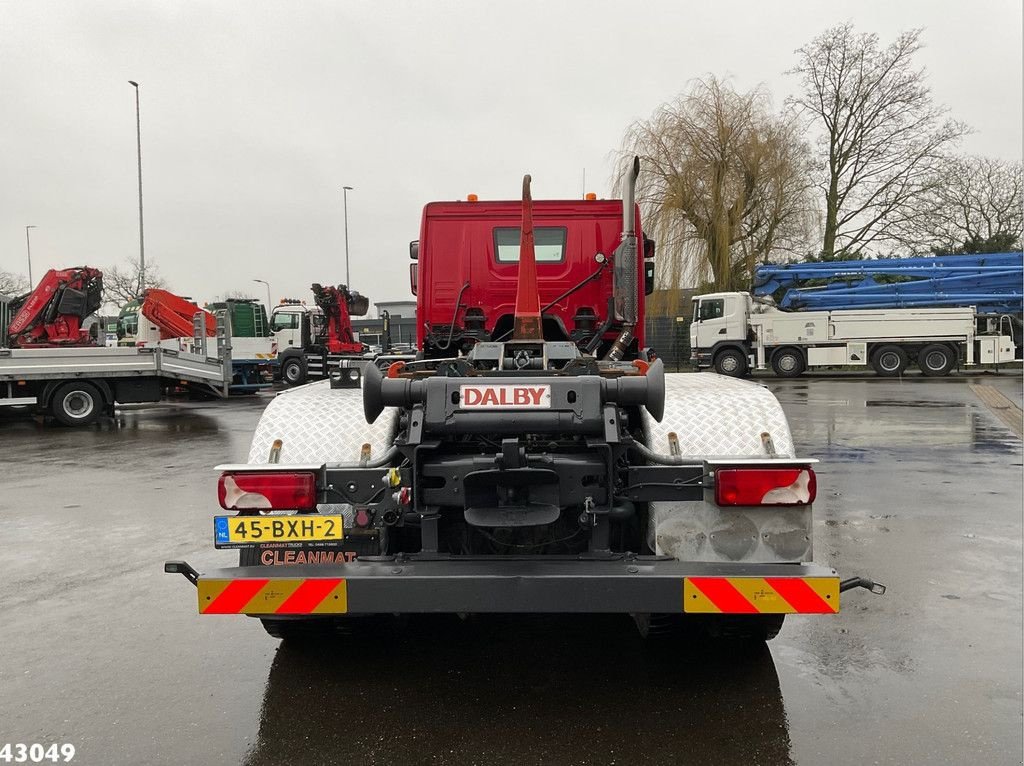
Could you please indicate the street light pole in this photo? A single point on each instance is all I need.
(138, 142)
(269, 306)
(345, 190)
(28, 247)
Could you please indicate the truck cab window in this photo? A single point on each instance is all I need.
(284, 322)
(712, 309)
(548, 244)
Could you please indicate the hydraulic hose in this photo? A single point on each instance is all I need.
(661, 459)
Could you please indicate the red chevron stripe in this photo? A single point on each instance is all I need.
(723, 595)
(234, 597)
(800, 595)
(308, 596)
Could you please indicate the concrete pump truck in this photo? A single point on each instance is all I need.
(534, 458)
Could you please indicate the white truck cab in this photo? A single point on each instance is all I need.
(719, 335)
(295, 325)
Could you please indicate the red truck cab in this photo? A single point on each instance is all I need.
(466, 270)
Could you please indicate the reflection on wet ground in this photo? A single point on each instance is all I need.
(928, 500)
(523, 689)
(857, 424)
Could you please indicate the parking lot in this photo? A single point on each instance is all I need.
(920, 487)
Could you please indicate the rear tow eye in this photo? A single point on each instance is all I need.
(182, 568)
(854, 582)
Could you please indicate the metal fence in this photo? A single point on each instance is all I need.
(669, 338)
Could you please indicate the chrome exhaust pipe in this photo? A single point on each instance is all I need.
(624, 273)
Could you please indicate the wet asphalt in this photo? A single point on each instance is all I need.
(920, 487)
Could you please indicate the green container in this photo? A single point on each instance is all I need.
(248, 317)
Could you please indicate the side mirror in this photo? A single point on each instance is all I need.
(648, 247)
(414, 273)
(414, 252)
(648, 276)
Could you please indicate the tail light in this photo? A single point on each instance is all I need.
(270, 491)
(765, 486)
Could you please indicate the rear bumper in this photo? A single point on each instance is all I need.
(631, 585)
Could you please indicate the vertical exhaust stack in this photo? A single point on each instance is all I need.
(624, 274)
(527, 325)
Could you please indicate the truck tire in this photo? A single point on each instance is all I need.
(76, 404)
(789, 363)
(936, 360)
(293, 371)
(731, 362)
(889, 361)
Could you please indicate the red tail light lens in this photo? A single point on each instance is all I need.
(765, 486)
(271, 491)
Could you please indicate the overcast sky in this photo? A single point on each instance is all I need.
(255, 114)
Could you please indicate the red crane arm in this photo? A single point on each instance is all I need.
(339, 304)
(173, 314)
(52, 314)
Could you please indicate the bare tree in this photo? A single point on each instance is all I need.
(976, 205)
(724, 184)
(883, 137)
(13, 284)
(122, 285)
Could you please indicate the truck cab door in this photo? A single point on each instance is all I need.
(284, 326)
(710, 324)
(735, 317)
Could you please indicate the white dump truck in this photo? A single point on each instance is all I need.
(735, 333)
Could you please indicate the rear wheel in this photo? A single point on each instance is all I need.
(889, 361)
(293, 372)
(936, 360)
(788, 363)
(76, 404)
(731, 362)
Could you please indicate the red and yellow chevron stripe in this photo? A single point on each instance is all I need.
(258, 596)
(761, 595)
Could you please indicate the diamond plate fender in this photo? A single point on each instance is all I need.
(718, 416)
(715, 416)
(318, 424)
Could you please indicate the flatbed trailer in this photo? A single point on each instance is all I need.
(77, 385)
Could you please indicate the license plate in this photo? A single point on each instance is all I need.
(243, 531)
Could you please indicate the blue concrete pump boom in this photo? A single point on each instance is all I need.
(992, 283)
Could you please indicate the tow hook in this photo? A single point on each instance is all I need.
(182, 568)
(854, 582)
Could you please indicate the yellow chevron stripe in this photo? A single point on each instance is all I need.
(762, 596)
(695, 601)
(271, 596)
(208, 591)
(335, 602)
